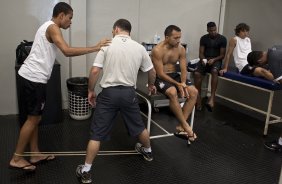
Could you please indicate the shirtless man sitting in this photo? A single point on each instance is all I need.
(165, 55)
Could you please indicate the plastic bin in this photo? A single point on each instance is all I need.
(79, 107)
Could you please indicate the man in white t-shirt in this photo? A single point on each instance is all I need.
(120, 63)
(33, 76)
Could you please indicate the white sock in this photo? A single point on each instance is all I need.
(280, 141)
(148, 149)
(86, 167)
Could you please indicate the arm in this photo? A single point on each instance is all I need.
(261, 72)
(201, 53)
(220, 57)
(151, 81)
(183, 65)
(54, 35)
(93, 77)
(232, 44)
(183, 68)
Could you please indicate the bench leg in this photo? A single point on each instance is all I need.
(192, 118)
(149, 112)
(268, 112)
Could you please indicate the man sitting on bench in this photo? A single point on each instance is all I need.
(165, 55)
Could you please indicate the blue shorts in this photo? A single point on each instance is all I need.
(111, 101)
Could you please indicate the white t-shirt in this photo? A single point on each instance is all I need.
(242, 49)
(39, 64)
(121, 61)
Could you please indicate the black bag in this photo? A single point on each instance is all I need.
(22, 51)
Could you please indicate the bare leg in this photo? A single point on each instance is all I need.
(25, 136)
(198, 84)
(214, 81)
(190, 102)
(144, 138)
(34, 148)
(176, 109)
(92, 151)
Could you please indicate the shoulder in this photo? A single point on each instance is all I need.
(204, 37)
(222, 37)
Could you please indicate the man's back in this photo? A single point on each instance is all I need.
(121, 61)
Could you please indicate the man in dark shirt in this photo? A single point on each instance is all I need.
(212, 51)
(272, 60)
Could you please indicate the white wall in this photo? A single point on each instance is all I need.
(19, 20)
(92, 21)
(149, 17)
(264, 19)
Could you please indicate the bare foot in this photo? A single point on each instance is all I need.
(41, 157)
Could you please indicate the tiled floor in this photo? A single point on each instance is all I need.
(229, 150)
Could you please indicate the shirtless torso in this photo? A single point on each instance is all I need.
(165, 57)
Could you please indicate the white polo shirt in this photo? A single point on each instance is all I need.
(121, 61)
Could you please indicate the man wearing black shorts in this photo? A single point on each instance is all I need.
(34, 75)
(212, 51)
(165, 56)
(120, 63)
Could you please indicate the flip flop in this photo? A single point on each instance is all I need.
(23, 168)
(45, 160)
(181, 135)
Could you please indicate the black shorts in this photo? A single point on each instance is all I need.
(111, 101)
(203, 69)
(248, 70)
(162, 85)
(32, 97)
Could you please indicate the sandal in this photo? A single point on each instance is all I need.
(192, 137)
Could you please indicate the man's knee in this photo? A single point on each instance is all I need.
(197, 75)
(214, 72)
(171, 93)
(193, 92)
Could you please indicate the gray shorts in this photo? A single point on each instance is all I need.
(110, 102)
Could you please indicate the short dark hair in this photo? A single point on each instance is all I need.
(211, 24)
(253, 57)
(62, 7)
(170, 28)
(123, 24)
(241, 27)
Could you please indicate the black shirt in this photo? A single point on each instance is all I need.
(212, 45)
(275, 61)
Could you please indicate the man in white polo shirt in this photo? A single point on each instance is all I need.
(120, 63)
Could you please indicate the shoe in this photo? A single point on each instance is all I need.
(273, 146)
(140, 149)
(85, 177)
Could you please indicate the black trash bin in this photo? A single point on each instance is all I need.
(79, 107)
